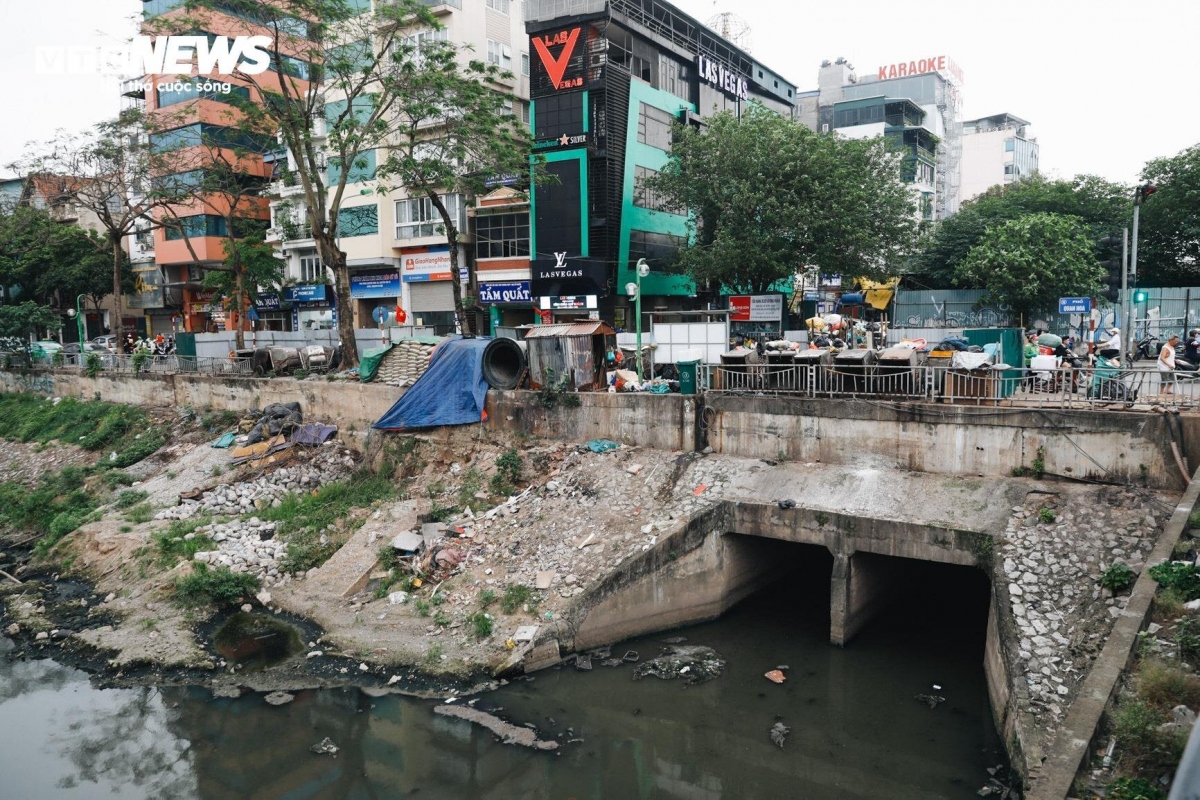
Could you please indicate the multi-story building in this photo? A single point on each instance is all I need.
(997, 150)
(902, 124)
(608, 79)
(933, 84)
(194, 131)
(395, 249)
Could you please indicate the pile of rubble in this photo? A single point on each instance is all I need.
(331, 464)
(404, 363)
(1052, 559)
(248, 546)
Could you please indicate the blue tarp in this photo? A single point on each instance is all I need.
(451, 392)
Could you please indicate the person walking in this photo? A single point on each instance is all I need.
(1166, 365)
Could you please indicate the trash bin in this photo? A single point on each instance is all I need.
(687, 376)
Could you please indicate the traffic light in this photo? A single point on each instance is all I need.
(1139, 296)
(1144, 191)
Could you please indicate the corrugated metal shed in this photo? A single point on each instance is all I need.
(572, 329)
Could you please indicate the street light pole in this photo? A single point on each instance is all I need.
(642, 269)
(80, 323)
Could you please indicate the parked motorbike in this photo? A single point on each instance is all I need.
(1109, 381)
(1147, 347)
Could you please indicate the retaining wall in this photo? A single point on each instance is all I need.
(347, 402)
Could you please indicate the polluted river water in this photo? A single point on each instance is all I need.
(856, 728)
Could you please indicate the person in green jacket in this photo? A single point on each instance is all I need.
(1031, 348)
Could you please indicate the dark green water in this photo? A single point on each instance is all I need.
(857, 732)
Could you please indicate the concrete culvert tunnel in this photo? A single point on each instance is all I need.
(503, 363)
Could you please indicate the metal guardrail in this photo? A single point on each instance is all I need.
(1086, 387)
(112, 363)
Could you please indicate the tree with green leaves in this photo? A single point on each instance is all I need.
(1169, 236)
(338, 73)
(456, 129)
(1029, 262)
(105, 172)
(250, 264)
(1102, 205)
(769, 197)
(27, 320)
(47, 260)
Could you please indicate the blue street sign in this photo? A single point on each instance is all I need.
(1074, 305)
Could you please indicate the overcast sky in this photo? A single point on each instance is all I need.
(1106, 85)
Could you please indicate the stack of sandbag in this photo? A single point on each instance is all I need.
(404, 363)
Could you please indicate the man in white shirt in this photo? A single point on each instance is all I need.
(1114, 342)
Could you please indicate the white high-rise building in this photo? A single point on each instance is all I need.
(997, 150)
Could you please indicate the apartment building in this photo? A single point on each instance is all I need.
(396, 253)
(997, 151)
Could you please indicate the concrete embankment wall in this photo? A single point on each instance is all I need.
(347, 402)
(1118, 446)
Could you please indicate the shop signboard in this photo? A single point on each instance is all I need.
(267, 301)
(560, 58)
(307, 293)
(756, 308)
(564, 275)
(147, 287)
(573, 302)
(375, 284)
(505, 292)
(430, 264)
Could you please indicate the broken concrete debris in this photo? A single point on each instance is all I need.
(775, 676)
(279, 698)
(931, 700)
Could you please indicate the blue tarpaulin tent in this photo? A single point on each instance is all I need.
(451, 392)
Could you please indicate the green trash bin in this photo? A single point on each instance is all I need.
(687, 376)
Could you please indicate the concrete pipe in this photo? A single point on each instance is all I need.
(503, 363)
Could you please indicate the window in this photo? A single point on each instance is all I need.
(558, 114)
(358, 221)
(195, 227)
(427, 36)
(524, 111)
(210, 136)
(498, 5)
(672, 76)
(502, 236)
(657, 248)
(417, 216)
(170, 97)
(654, 127)
(311, 269)
(646, 198)
(525, 64)
(1008, 169)
(499, 55)
(1009, 145)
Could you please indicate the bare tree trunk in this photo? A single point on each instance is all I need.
(119, 327)
(466, 325)
(335, 259)
(239, 340)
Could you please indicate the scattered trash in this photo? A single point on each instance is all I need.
(397, 598)
(225, 441)
(583, 662)
(630, 657)
(508, 733)
(778, 732)
(931, 700)
(695, 664)
(634, 469)
(586, 541)
(279, 698)
(937, 688)
(775, 676)
(787, 503)
(602, 445)
(325, 747)
(675, 640)
(600, 652)
(699, 490)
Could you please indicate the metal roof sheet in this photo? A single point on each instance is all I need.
(568, 329)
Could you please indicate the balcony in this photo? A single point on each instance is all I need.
(442, 6)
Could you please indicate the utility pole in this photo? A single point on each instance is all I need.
(1140, 194)
(1126, 297)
